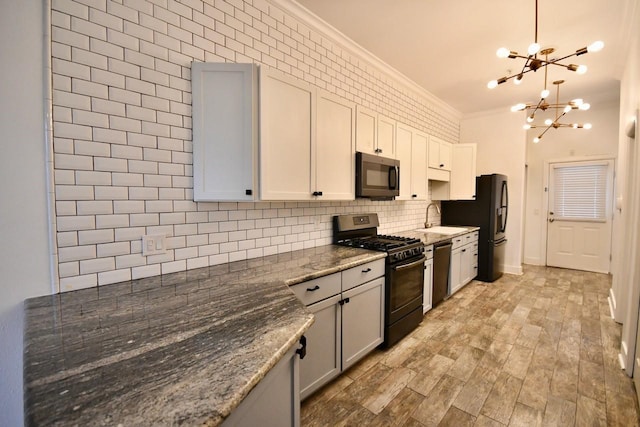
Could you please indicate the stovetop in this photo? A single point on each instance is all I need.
(380, 242)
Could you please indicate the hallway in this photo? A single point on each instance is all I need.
(536, 349)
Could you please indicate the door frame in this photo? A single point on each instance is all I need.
(545, 196)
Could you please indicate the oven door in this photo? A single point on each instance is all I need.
(404, 288)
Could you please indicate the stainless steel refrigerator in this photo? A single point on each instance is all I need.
(488, 211)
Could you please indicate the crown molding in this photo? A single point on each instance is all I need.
(297, 10)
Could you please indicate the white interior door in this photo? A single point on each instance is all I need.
(579, 217)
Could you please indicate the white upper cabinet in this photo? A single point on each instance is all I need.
(375, 133)
(439, 154)
(366, 130)
(463, 172)
(286, 137)
(411, 150)
(225, 131)
(386, 137)
(334, 159)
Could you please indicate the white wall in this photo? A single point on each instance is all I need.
(625, 291)
(564, 144)
(24, 259)
(501, 149)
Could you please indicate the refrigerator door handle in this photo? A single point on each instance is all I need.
(504, 205)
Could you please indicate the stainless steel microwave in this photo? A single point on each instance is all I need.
(377, 177)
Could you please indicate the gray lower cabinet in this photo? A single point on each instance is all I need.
(274, 401)
(349, 322)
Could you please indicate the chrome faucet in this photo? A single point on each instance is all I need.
(427, 224)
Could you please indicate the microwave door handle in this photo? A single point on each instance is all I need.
(393, 177)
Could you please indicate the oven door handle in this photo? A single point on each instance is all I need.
(410, 265)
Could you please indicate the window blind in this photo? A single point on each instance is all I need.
(580, 192)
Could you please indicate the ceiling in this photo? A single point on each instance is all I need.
(449, 47)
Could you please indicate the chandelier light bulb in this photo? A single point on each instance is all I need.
(544, 93)
(584, 106)
(548, 122)
(530, 119)
(503, 52)
(533, 48)
(581, 69)
(575, 126)
(517, 80)
(526, 127)
(595, 46)
(567, 108)
(492, 84)
(577, 102)
(536, 139)
(518, 107)
(587, 126)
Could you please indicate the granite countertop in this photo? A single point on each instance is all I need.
(433, 238)
(182, 348)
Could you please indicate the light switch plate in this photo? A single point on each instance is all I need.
(153, 245)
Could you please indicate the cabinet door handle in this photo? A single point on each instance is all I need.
(441, 165)
(344, 301)
(464, 250)
(317, 193)
(414, 195)
(315, 288)
(302, 351)
(378, 150)
(366, 270)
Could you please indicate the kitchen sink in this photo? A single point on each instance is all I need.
(443, 230)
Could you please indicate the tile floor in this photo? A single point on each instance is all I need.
(534, 350)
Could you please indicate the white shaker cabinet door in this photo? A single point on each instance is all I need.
(404, 137)
(334, 160)
(225, 131)
(286, 132)
(362, 320)
(386, 137)
(463, 172)
(419, 149)
(366, 130)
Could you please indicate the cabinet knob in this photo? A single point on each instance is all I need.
(378, 150)
(248, 192)
(441, 165)
(414, 195)
(464, 250)
(315, 288)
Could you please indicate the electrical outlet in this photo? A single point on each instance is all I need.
(153, 245)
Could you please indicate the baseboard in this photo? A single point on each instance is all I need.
(513, 269)
(532, 261)
(621, 360)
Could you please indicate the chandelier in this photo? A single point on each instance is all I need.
(534, 63)
(543, 105)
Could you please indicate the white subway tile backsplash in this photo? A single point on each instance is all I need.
(122, 133)
(77, 253)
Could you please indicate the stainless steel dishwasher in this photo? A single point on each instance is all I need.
(441, 267)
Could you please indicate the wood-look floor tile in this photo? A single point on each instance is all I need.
(457, 418)
(590, 412)
(535, 388)
(559, 412)
(502, 398)
(430, 374)
(622, 411)
(518, 361)
(464, 366)
(543, 345)
(398, 411)
(525, 416)
(483, 421)
(437, 402)
(393, 384)
(591, 380)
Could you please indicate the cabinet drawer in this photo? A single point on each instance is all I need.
(361, 274)
(468, 238)
(317, 289)
(474, 236)
(458, 241)
(428, 251)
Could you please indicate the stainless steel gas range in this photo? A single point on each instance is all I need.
(404, 271)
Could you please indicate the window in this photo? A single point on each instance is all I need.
(580, 191)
